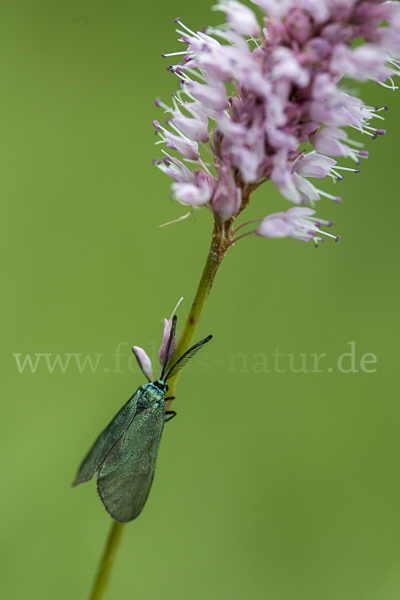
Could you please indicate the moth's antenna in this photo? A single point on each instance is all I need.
(170, 346)
(187, 356)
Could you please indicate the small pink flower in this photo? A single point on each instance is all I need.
(182, 144)
(197, 193)
(286, 66)
(165, 338)
(333, 141)
(314, 165)
(297, 223)
(194, 129)
(274, 8)
(334, 107)
(176, 169)
(144, 362)
(299, 26)
(318, 9)
(389, 37)
(211, 96)
(362, 63)
(239, 17)
(228, 197)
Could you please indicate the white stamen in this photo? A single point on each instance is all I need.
(389, 87)
(203, 164)
(253, 39)
(326, 195)
(354, 143)
(170, 223)
(167, 109)
(363, 129)
(344, 169)
(312, 227)
(187, 29)
(375, 114)
(175, 53)
(176, 307)
(196, 73)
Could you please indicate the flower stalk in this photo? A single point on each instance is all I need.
(107, 561)
(221, 239)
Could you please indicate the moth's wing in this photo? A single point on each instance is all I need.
(125, 478)
(106, 440)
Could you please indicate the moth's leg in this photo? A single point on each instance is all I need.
(173, 414)
(169, 398)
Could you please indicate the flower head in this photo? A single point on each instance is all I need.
(251, 96)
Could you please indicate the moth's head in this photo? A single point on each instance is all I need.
(162, 385)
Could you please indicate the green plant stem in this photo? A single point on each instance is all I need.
(213, 262)
(107, 561)
(222, 236)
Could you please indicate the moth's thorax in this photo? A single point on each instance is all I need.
(152, 393)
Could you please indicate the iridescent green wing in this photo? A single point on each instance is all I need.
(125, 478)
(106, 440)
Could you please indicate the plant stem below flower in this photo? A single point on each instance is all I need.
(214, 259)
(107, 561)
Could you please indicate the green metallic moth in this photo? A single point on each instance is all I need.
(125, 453)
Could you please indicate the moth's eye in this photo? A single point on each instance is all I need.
(166, 387)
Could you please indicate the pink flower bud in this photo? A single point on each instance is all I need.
(144, 362)
(212, 96)
(298, 24)
(240, 17)
(227, 201)
(194, 129)
(165, 338)
(197, 193)
(183, 145)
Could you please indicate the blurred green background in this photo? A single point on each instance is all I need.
(269, 485)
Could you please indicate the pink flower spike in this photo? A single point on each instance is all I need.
(253, 96)
(314, 165)
(144, 362)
